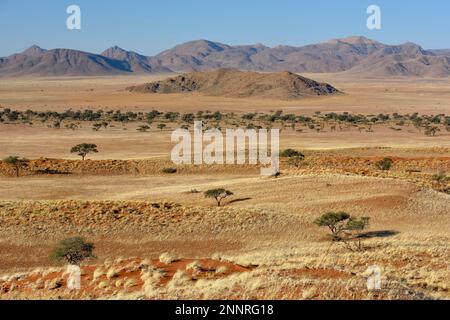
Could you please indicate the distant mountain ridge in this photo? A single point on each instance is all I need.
(358, 56)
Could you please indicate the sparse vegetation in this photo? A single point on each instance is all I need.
(430, 125)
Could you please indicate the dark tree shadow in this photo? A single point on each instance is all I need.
(379, 234)
(239, 200)
(52, 172)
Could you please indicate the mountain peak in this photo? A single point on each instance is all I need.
(355, 40)
(113, 50)
(34, 50)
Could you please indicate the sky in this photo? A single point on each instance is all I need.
(149, 26)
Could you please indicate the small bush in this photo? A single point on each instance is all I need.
(291, 153)
(166, 258)
(385, 164)
(441, 182)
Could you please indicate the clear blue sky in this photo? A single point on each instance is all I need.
(149, 26)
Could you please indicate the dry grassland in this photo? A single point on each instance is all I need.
(263, 243)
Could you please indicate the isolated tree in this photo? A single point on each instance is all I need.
(344, 228)
(335, 221)
(218, 195)
(84, 149)
(161, 126)
(73, 251)
(385, 164)
(17, 163)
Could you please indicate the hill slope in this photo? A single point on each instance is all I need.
(239, 84)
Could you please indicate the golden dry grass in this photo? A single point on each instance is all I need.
(266, 227)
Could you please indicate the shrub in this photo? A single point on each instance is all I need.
(440, 181)
(73, 251)
(166, 258)
(295, 157)
(143, 128)
(385, 164)
(291, 153)
(218, 194)
(17, 163)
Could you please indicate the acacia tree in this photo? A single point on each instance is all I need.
(335, 221)
(73, 251)
(161, 126)
(218, 194)
(84, 149)
(344, 228)
(17, 163)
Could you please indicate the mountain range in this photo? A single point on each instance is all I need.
(357, 56)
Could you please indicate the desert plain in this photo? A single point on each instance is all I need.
(158, 237)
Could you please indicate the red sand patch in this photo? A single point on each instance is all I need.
(55, 284)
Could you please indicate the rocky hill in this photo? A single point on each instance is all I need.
(240, 84)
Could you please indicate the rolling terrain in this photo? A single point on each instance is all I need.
(157, 236)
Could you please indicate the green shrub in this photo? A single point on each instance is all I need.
(73, 251)
(385, 164)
